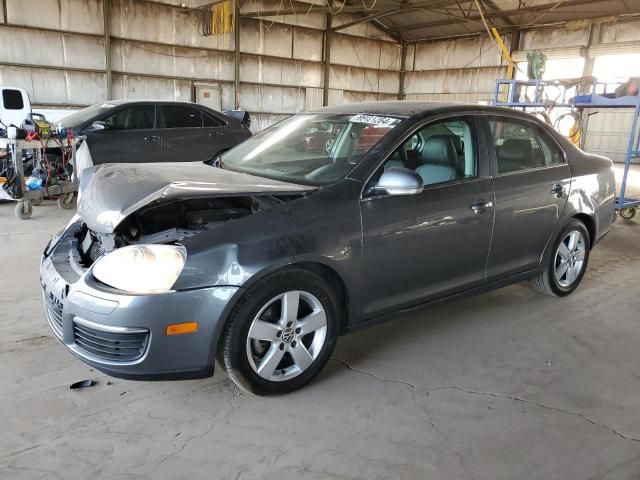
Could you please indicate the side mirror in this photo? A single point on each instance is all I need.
(97, 126)
(399, 181)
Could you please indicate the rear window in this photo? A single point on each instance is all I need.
(210, 121)
(12, 99)
(181, 116)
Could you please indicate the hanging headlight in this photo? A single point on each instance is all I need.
(141, 269)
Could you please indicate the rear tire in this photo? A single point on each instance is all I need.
(281, 333)
(567, 262)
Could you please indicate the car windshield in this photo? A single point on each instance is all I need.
(310, 149)
(81, 117)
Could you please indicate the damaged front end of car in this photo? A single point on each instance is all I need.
(171, 221)
(110, 279)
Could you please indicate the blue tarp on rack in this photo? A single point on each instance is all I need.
(595, 100)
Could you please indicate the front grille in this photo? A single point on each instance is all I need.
(111, 346)
(53, 311)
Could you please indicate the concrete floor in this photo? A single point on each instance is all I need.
(506, 385)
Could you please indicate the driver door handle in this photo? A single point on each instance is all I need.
(480, 206)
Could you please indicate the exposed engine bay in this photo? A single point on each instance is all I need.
(172, 221)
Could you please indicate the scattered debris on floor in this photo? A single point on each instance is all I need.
(82, 384)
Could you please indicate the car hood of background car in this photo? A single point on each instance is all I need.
(111, 192)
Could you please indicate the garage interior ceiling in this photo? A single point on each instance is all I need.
(416, 20)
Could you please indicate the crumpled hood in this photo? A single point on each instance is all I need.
(111, 192)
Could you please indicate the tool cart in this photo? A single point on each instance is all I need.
(53, 175)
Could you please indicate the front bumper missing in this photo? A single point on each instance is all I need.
(124, 335)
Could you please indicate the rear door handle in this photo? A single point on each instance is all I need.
(557, 190)
(480, 206)
(215, 134)
(152, 138)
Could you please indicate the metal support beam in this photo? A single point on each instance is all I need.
(293, 11)
(369, 18)
(236, 55)
(403, 70)
(106, 16)
(516, 37)
(326, 58)
(350, 9)
(495, 14)
(495, 8)
(595, 37)
(4, 11)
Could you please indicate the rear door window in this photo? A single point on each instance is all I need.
(517, 146)
(181, 116)
(552, 152)
(12, 99)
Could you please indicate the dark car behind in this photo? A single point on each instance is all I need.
(155, 131)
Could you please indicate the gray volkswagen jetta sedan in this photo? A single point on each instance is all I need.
(325, 222)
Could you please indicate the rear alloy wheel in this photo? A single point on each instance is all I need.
(281, 333)
(567, 262)
(569, 259)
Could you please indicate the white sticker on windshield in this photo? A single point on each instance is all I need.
(374, 120)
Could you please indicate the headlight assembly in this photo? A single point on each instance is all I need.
(143, 269)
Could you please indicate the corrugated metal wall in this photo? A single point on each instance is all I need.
(57, 52)
(157, 51)
(462, 70)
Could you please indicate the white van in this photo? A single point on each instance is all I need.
(15, 105)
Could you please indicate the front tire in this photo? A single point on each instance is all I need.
(281, 333)
(566, 263)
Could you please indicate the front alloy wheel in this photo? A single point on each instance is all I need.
(280, 333)
(286, 336)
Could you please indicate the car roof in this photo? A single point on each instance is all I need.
(409, 108)
(151, 100)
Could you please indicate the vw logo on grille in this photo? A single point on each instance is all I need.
(287, 335)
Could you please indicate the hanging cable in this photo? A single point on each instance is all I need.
(364, 5)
